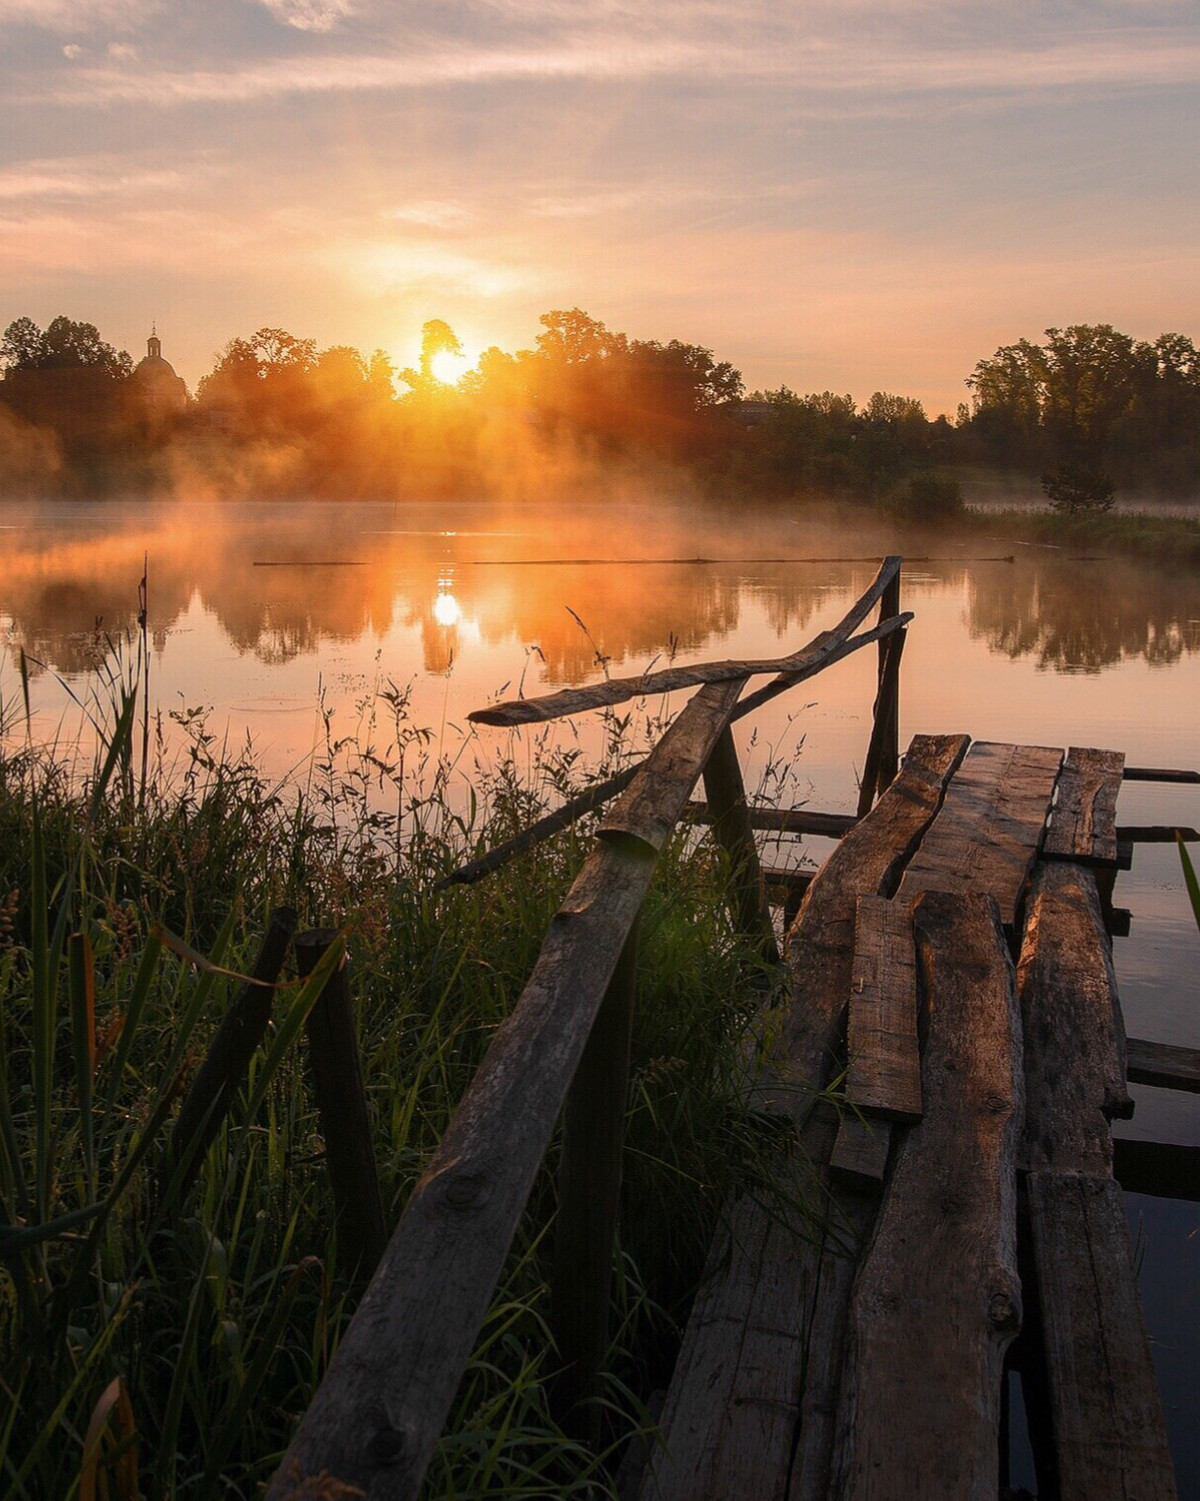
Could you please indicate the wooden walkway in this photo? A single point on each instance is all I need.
(943, 1053)
(966, 1178)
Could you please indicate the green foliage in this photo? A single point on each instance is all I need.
(930, 498)
(1078, 488)
(217, 1313)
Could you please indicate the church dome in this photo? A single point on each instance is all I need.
(160, 389)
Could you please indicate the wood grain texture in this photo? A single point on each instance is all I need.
(730, 1419)
(990, 828)
(1083, 825)
(1109, 1434)
(883, 1054)
(937, 1299)
(811, 657)
(861, 1149)
(1159, 1063)
(379, 1410)
(1075, 1066)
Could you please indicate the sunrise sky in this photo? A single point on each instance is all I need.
(838, 193)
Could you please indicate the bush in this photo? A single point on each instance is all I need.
(1077, 488)
(930, 497)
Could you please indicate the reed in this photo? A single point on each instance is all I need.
(169, 1334)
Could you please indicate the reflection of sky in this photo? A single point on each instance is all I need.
(847, 193)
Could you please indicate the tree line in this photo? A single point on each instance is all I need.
(276, 415)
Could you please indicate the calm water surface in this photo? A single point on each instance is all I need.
(261, 612)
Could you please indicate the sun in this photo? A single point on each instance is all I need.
(450, 368)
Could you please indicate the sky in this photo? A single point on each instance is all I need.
(834, 194)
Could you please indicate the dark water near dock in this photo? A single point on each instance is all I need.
(464, 603)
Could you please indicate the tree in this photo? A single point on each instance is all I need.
(437, 337)
(65, 345)
(1077, 488)
(574, 338)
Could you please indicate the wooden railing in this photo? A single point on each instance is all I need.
(377, 1414)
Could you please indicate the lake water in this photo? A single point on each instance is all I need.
(264, 613)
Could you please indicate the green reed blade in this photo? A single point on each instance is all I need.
(82, 985)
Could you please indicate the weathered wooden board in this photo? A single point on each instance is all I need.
(1158, 1063)
(735, 1394)
(824, 648)
(1083, 825)
(937, 1298)
(1074, 1038)
(861, 1149)
(990, 828)
(1109, 1435)
(377, 1414)
(785, 820)
(883, 1054)
(820, 945)
(1166, 1169)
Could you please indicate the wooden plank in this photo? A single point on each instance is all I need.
(990, 828)
(1159, 774)
(1109, 1435)
(861, 1149)
(1158, 1063)
(379, 1410)
(883, 751)
(726, 793)
(818, 653)
(1157, 833)
(1163, 1168)
(736, 1393)
(937, 1298)
(1074, 1037)
(784, 820)
(884, 1060)
(1083, 825)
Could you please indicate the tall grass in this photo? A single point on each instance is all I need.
(166, 1345)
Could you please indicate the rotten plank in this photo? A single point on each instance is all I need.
(1075, 1066)
(884, 1059)
(1109, 1434)
(1083, 825)
(378, 1412)
(988, 833)
(826, 647)
(1160, 1064)
(735, 1396)
(937, 1299)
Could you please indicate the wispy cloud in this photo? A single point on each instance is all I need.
(309, 15)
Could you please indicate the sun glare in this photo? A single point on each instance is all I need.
(446, 609)
(449, 368)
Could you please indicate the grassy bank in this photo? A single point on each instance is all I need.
(1168, 541)
(218, 1309)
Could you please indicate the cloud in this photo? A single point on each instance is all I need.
(309, 15)
(432, 213)
(77, 15)
(410, 266)
(74, 178)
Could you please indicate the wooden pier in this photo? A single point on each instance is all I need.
(944, 1053)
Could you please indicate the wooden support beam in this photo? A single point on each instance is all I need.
(589, 1197)
(1163, 1168)
(379, 1410)
(1162, 1065)
(861, 1149)
(883, 756)
(1083, 825)
(784, 820)
(1109, 1435)
(1131, 833)
(342, 1101)
(726, 794)
(221, 1075)
(1074, 1037)
(937, 1299)
(883, 1055)
(988, 833)
(1159, 774)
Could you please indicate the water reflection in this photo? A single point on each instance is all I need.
(282, 581)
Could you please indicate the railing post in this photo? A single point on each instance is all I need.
(883, 729)
(889, 696)
(726, 796)
(342, 1102)
(589, 1197)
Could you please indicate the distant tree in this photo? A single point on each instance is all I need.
(437, 337)
(1076, 488)
(574, 338)
(65, 345)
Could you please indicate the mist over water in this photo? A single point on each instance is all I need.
(265, 614)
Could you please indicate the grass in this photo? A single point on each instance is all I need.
(166, 1346)
(1171, 541)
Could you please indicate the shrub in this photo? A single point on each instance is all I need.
(930, 497)
(1078, 488)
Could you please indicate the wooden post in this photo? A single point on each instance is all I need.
(883, 751)
(726, 796)
(225, 1064)
(342, 1102)
(589, 1196)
